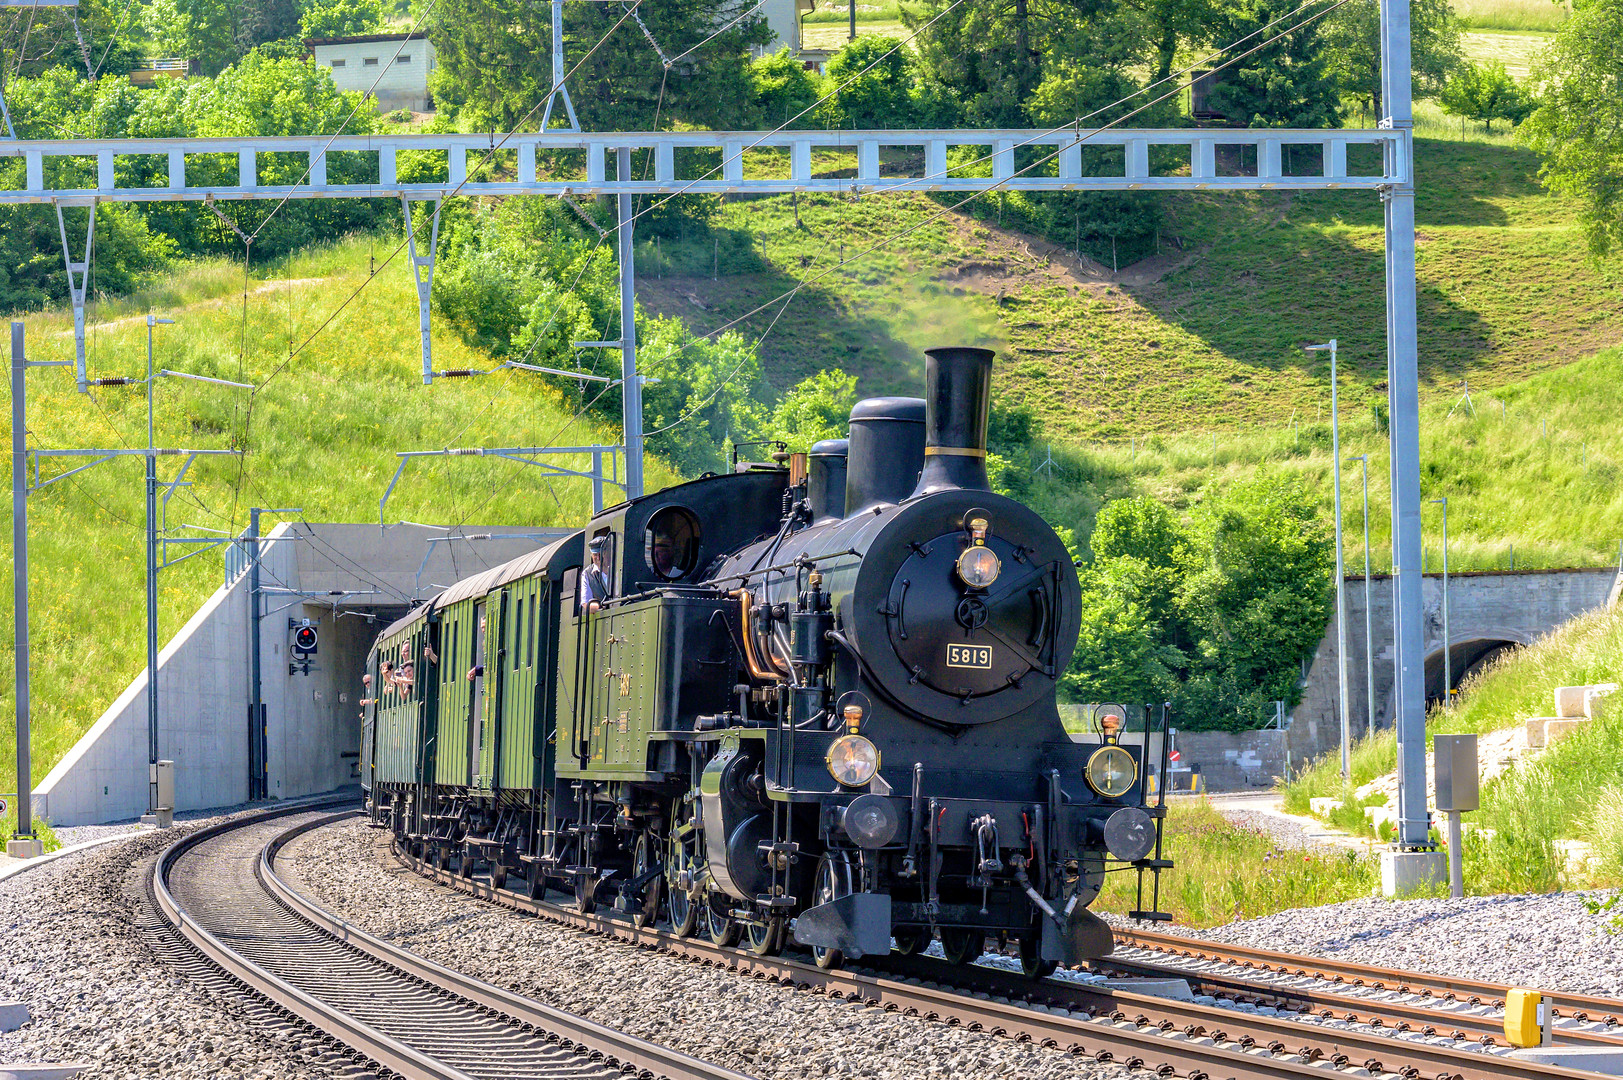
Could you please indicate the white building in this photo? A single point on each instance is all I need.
(783, 17)
(402, 60)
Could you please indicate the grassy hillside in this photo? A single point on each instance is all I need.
(1204, 336)
(322, 436)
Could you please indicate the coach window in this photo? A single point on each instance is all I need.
(671, 542)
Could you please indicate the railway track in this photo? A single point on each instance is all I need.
(1352, 990)
(218, 889)
(1168, 1037)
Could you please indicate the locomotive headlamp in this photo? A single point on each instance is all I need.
(852, 760)
(1111, 772)
(978, 567)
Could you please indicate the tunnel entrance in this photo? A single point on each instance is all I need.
(1465, 657)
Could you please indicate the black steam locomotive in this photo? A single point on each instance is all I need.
(811, 698)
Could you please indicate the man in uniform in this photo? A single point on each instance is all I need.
(594, 584)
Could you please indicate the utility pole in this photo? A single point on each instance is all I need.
(1341, 569)
(631, 382)
(1369, 632)
(853, 20)
(1403, 404)
(558, 88)
(1448, 637)
(258, 736)
(19, 581)
(152, 587)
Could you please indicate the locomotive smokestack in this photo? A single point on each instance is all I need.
(825, 480)
(958, 390)
(887, 452)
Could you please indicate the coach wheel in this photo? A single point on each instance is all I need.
(911, 942)
(442, 856)
(643, 860)
(585, 893)
(498, 874)
(719, 927)
(1031, 960)
(464, 867)
(765, 938)
(963, 946)
(833, 882)
(535, 882)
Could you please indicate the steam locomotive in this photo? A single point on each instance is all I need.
(811, 699)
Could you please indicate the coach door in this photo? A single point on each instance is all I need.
(476, 693)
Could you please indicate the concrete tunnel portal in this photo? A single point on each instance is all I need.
(350, 581)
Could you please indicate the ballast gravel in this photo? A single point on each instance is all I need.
(758, 1028)
(1552, 942)
(72, 951)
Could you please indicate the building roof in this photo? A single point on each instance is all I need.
(363, 39)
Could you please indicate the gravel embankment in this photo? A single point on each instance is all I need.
(73, 954)
(1552, 942)
(762, 1029)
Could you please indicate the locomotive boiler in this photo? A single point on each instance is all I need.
(810, 700)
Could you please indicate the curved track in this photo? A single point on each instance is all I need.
(1165, 1036)
(219, 889)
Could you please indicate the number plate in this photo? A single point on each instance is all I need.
(969, 656)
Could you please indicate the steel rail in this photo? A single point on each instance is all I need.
(1448, 987)
(1170, 1037)
(627, 1049)
(600, 1048)
(1318, 997)
(387, 1052)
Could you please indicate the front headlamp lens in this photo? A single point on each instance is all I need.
(853, 760)
(1111, 772)
(978, 566)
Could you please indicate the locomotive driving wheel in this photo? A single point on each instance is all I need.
(765, 938)
(645, 858)
(719, 926)
(833, 882)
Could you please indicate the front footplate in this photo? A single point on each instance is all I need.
(857, 925)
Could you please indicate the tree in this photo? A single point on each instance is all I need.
(1283, 84)
(876, 78)
(1352, 38)
(784, 90)
(341, 18)
(1118, 656)
(1578, 125)
(201, 30)
(1487, 93)
(816, 408)
(495, 62)
(1255, 598)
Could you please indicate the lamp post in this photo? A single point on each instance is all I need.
(1341, 576)
(151, 455)
(1369, 633)
(1448, 639)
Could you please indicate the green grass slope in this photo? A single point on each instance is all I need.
(1205, 336)
(322, 436)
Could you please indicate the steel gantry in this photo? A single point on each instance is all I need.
(84, 172)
